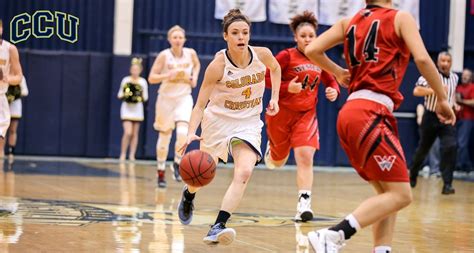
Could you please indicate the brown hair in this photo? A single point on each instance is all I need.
(232, 16)
(1, 22)
(306, 18)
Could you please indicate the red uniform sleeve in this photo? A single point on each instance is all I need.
(283, 58)
(329, 81)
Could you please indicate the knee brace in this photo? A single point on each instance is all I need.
(162, 146)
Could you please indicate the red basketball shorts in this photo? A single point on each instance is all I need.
(369, 135)
(289, 129)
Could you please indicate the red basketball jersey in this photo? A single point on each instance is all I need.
(294, 63)
(376, 57)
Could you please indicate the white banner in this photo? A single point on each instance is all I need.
(254, 9)
(282, 10)
(411, 6)
(331, 11)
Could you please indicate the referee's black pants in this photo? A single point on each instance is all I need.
(431, 128)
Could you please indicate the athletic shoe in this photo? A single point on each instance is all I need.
(175, 169)
(219, 234)
(326, 241)
(303, 210)
(185, 209)
(161, 181)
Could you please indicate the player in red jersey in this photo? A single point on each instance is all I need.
(296, 125)
(377, 45)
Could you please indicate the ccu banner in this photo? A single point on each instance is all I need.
(44, 24)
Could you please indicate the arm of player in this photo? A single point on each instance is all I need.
(145, 90)
(213, 74)
(196, 68)
(332, 87)
(16, 74)
(407, 29)
(283, 58)
(266, 56)
(155, 76)
(316, 52)
(24, 87)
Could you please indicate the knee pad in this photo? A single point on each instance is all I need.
(182, 130)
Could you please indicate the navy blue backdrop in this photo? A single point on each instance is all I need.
(73, 110)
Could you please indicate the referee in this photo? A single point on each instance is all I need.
(431, 127)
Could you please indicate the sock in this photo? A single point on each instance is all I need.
(353, 222)
(177, 159)
(222, 217)
(161, 173)
(304, 193)
(161, 165)
(188, 196)
(11, 149)
(349, 226)
(383, 249)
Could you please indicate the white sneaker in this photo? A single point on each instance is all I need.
(9, 207)
(303, 210)
(326, 241)
(268, 160)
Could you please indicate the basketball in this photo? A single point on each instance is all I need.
(197, 168)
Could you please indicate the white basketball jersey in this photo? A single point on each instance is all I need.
(240, 92)
(181, 84)
(4, 64)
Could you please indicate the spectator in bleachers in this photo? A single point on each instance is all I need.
(465, 98)
(133, 92)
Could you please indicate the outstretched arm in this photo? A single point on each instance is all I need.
(316, 52)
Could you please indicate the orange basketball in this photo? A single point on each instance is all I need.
(197, 168)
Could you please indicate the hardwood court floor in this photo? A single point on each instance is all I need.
(107, 207)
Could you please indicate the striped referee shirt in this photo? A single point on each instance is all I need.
(451, 81)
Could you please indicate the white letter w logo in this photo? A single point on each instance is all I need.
(385, 162)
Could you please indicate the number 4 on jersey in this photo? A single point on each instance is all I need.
(370, 48)
(247, 93)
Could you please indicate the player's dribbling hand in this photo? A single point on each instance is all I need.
(189, 139)
(273, 108)
(343, 77)
(445, 113)
(331, 94)
(294, 86)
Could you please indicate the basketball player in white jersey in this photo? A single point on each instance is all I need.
(10, 73)
(16, 108)
(177, 69)
(229, 107)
